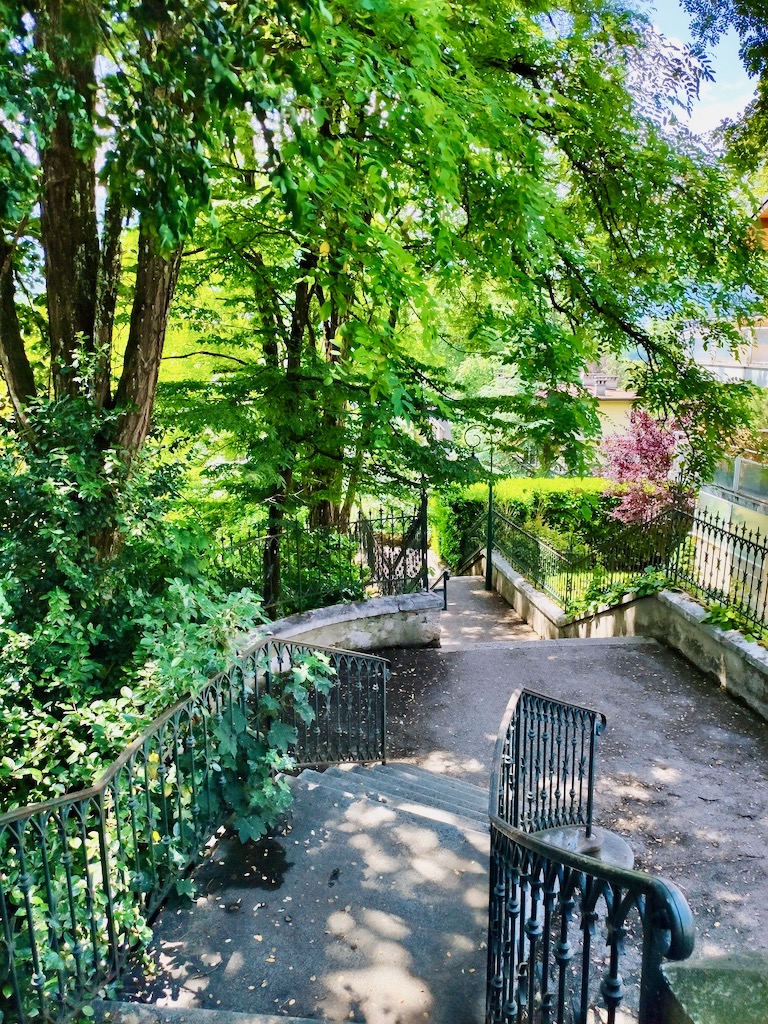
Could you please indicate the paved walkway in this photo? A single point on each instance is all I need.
(479, 616)
(682, 774)
(683, 770)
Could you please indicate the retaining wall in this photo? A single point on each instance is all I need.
(406, 620)
(739, 666)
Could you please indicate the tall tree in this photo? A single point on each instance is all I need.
(498, 147)
(365, 157)
(111, 112)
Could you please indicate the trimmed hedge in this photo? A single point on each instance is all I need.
(569, 513)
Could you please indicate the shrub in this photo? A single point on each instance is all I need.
(640, 463)
(568, 512)
(94, 642)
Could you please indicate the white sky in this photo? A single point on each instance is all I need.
(732, 89)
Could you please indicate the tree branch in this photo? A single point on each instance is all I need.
(204, 352)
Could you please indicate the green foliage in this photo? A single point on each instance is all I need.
(94, 642)
(604, 589)
(449, 220)
(451, 517)
(211, 755)
(253, 751)
(711, 19)
(726, 617)
(568, 513)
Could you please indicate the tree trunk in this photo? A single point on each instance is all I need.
(156, 277)
(110, 265)
(68, 227)
(16, 369)
(272, 551)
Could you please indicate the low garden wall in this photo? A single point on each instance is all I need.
(405, 620)
(739, 666)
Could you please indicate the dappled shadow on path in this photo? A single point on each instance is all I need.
(379, 917)
(682, 769)
(476, 615)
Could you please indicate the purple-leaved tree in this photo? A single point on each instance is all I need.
(641, 464)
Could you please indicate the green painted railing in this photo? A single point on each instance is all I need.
(81, 875)
(567, 933)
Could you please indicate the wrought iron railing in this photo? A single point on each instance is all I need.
(545, 757)
(694, 550)
(383, 554)
(81, 875)
(723, 564)
(317, 567)
(567, 932)
(473, 542)
(548, 568)
(394, 546)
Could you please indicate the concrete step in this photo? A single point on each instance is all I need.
(416, 770)
(360, 912)
(115, 1012)
(350, 786)
(440, 791)
(449, 646)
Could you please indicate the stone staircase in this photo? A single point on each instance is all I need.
(370, 907)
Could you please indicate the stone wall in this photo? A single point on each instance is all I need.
(406, 620)
(740, 666)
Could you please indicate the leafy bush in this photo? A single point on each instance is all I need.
(605, 590)
(569, 513)
(104, 615)
(640, 463)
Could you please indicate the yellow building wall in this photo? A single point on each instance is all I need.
(614, 415)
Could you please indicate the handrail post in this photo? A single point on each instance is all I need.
(489, 532)
(423, 539)
(591, 776)
(384, 674)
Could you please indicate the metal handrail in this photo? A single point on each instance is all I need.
(81, 875)
(546, 901)
(677, 918)
(478, 532)
(508, 754)
(443, 578)
(698, 552)
(538, 893)
(542, 544)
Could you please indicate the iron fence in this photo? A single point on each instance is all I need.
(548, 568)
(567, 933)
(304, 567)
(81, 875)
(723, 564)
(692, 549)
(473, 542)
